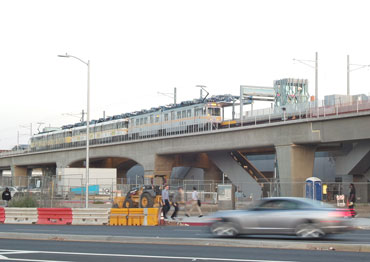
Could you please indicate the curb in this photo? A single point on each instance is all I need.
(192, 242)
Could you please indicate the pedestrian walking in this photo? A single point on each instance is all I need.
(352, 199)
(165, 201)
(7, 196)
(178, 201)
(195, 202)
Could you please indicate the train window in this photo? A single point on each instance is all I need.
(183, 113)
(179, 115)
(145, 120)
(188, 113)
(214, 111)
(172, 115)
(198, 111)
(157, 118)
(151, 119)
(165, 117)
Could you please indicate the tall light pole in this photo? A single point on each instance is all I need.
(349, 70)
(316, 67)
(87, 125)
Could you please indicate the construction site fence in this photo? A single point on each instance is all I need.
(49, 193)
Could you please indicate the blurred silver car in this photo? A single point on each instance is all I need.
(302, 217)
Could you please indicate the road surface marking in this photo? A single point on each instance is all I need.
(134, 256)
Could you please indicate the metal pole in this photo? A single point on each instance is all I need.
(241, 105)
(87, 134)
(348, 92)
(174, 96)
(316, 80)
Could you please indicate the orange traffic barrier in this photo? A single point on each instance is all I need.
(54, 216)
(2, 215)
(118, 217)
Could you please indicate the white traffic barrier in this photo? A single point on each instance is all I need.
(15, 215)
(90, 216)
(340, 201)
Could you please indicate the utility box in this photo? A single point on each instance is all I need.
(314, 188)
(226, 197)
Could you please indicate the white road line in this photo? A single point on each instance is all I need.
(32, 260)
(135, 256)
(17, 252)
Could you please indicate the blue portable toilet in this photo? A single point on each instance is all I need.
(314, 188)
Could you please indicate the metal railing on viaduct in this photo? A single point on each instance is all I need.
(251, 119)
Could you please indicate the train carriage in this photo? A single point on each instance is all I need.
(190, 116)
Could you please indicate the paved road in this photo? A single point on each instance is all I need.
(354, 237)
(40, 251)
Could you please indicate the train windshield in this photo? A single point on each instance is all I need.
(214, 111)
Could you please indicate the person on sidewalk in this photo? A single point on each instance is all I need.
(195, 202)
(7, 196)
(352, 199)
(178, 201)
(165, 201)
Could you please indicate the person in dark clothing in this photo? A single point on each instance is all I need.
(177, 201)
(165, 201)
(352, 199)
(7, 196)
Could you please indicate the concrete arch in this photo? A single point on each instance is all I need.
(122, 164)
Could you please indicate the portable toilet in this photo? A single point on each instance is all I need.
(314, 188)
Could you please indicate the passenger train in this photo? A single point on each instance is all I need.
(189, 116)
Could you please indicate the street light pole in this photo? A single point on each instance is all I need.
(87, 126)
(349, 70)
(316, 67)
(316, 79)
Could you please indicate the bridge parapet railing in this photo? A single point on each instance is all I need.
(255, 117)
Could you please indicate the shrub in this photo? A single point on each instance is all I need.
(23, 201)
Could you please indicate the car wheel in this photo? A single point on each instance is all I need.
(225, 229)
(309, 230)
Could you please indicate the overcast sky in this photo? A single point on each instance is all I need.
(139, 48)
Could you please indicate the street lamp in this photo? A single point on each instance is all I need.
(87, 124)
(316, 61)
(349, 70)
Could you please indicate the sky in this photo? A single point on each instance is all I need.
(139, 48)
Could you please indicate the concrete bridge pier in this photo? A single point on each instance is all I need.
(295, 165)
(19, 176)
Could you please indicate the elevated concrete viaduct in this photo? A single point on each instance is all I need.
(295, 143)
